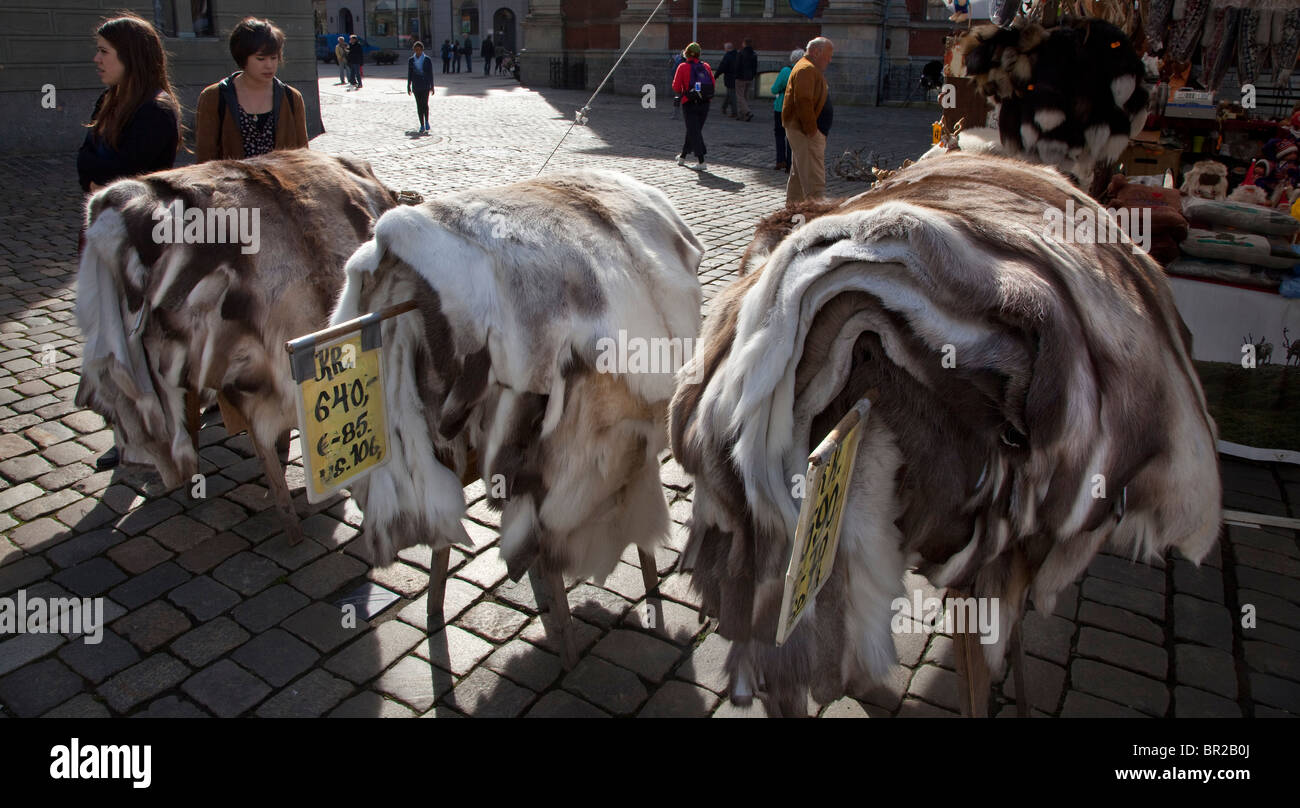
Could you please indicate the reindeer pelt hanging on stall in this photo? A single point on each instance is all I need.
(522, 291)
(162, 316)
(1069, 418)
(1068, 97)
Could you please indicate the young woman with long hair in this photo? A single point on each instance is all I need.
(136, 126)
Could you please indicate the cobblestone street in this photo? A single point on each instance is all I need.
(209, 610)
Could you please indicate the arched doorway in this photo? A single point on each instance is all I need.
(345, 22)
(503, 28)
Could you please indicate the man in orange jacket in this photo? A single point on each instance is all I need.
(806, 95)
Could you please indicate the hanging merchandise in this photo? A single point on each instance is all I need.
(1218, 44)
(1286, 51)
(1157, 23)
(1185, 35)
(1247, 49)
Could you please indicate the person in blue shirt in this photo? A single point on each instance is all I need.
(778, 90)
(419, 81)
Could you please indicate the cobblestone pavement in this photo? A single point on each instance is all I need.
(211, 612)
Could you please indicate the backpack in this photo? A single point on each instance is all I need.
(699, 75)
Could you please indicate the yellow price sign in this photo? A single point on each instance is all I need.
(817, 537)
(341, 414)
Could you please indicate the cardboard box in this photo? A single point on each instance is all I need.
(1141, 159)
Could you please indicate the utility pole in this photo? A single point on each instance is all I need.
(695, 20)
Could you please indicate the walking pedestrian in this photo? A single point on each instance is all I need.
(746, 70)
(455, 56)
(467, 50)
(807, 103)
(672, 74)
(778, 129)
(250, 112)
(695, 84)
(446, 56)
(727, 70)
(135, 127)
(419, 81)
(487, 51)
(356, 58)
(501, 55)
(341, 56)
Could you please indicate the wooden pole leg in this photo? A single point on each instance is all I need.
(437, 589)
(973, 670)
(1018, 668)
(654, 605)
(561, 619)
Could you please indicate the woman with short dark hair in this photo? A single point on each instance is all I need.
(250, 112)
(419, 80)
(136, 126)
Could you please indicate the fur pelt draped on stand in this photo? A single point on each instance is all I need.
(522, 291)
(1068, 97)
(1070, 416)
(189, 306)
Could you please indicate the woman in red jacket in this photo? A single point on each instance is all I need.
(693, 83)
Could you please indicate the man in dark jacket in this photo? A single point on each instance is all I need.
(467, 50)
(727, 71)
(446, 56)
(746, 70)
(356, 57)
(487, 51)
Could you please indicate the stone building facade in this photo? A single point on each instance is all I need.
(48, 84)
(872, 38)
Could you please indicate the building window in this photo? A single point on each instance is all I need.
(469, 20)
(183, 18)
(747, 8)
(937, 11)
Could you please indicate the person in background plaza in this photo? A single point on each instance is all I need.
(672, 75)
(419, 80)
(356, 58)
(778, 129)
(250, 112)
(467, 50)
(746, 70)
(135, 127)
(727, 69)
(694, 82)
(487, 50)
(806, 95)
(501, 55)
(446, 56)
(341, 56)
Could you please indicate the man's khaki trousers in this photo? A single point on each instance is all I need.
(807, 166)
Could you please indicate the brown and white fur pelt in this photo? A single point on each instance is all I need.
(1071, 361)
(1068, 97)
(163, 318)
(1207, 179)
(515, 287)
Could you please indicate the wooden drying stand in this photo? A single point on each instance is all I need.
(548, 587)
(547, 584)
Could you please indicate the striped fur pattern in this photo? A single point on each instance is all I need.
(1071, 361)
(161, 318)
(1068, 97)
(516, 286)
